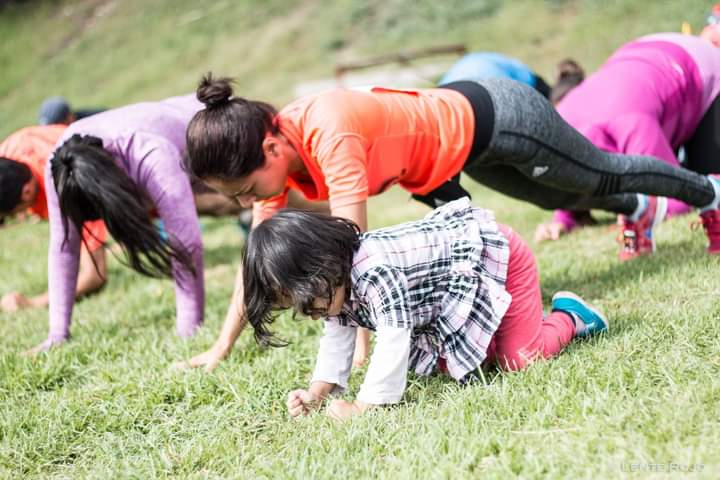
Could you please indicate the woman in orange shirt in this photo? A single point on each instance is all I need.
(345, 145)
(23, 156)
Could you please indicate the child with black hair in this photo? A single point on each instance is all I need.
(453, 292)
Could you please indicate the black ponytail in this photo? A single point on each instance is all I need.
(91, 186)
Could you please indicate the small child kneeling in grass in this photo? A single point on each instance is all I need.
(454, 291)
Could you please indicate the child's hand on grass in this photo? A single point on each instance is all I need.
(302, 402)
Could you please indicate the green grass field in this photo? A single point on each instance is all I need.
(107, 405)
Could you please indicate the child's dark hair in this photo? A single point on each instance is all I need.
(570, 75)
(290, 260)
(225, 139)
(13, 177)
(91, 186)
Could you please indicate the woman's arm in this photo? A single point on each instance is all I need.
(235, 322)
(63, 266)
(89, 280)
(169, 189)
(357, 212)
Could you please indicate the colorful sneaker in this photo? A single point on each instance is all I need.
(710, 221)
(638, 238)
(592, 320)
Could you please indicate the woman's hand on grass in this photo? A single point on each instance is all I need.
(209, 360)
(549, 231)
(302, 402)
(14, 301)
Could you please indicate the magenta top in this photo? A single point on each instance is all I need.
(647, 99)
(148, 143)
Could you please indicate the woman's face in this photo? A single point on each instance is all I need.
(265, 182)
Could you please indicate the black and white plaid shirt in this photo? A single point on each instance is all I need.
(430, 288)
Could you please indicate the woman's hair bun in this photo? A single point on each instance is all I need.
(214, 92)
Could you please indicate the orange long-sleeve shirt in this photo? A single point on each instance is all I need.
(357, 143)
(32, 146)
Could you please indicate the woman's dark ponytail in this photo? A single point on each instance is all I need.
(91, 186)
(570, 75)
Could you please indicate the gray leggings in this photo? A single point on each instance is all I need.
(534, 155)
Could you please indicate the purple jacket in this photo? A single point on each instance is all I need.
(148, 142)
(647, 99)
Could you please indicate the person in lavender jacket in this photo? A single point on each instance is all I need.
(652, 96)
(124, 166)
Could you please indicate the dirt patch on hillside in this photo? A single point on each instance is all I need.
(82, 16)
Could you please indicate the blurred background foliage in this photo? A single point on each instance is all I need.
(111, 52)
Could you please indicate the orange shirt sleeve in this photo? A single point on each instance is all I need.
(94, 235)
(343, 161)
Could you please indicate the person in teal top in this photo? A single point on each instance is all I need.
(482, 65)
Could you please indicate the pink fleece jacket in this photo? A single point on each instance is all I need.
(647, 99)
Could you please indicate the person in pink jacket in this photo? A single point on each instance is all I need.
(652, 96)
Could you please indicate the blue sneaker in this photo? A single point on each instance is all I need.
(593, 321)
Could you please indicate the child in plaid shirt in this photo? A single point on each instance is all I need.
(452, 292)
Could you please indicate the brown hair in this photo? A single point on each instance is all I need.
(225, 139)
(570, 75)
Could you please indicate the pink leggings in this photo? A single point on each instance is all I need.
(523, 334)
